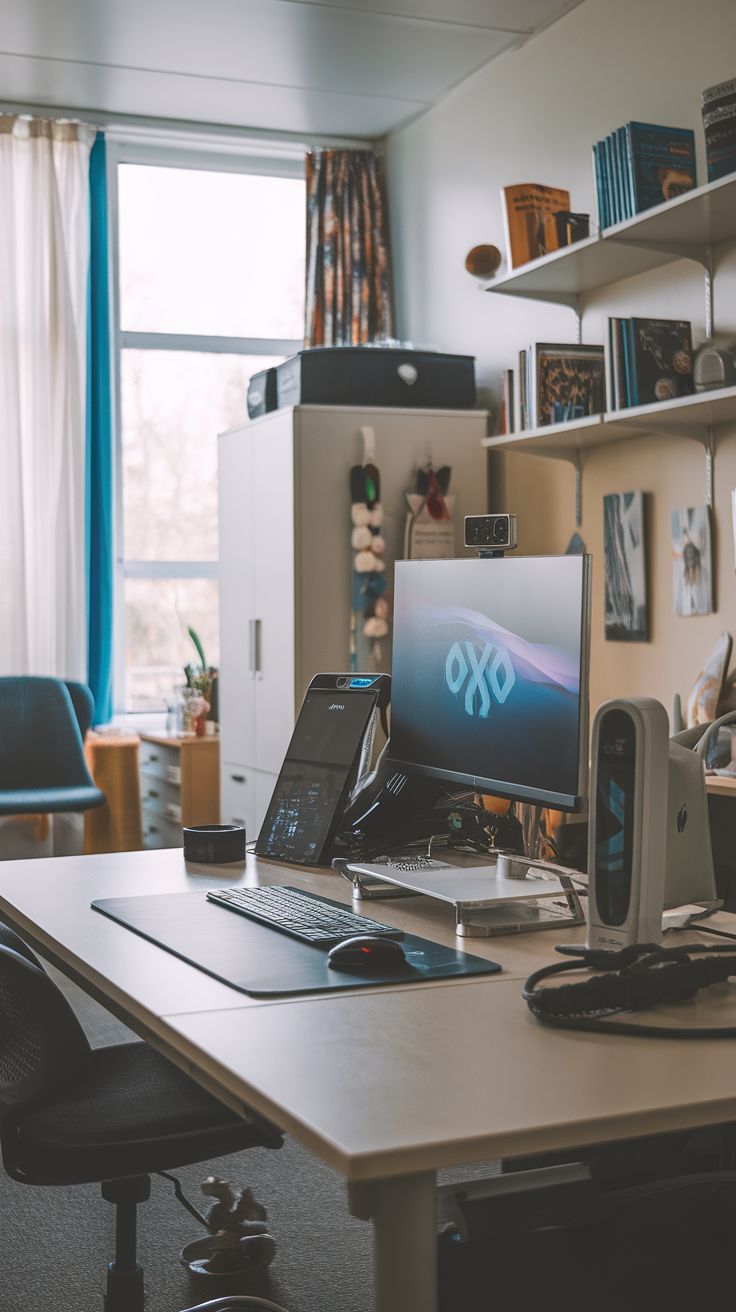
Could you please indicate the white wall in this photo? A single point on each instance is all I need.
(532, 117)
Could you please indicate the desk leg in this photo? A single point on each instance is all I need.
(404, 1214)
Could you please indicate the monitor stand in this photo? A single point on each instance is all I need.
(513, 895)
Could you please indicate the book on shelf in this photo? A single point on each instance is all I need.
(507, 401)
(649, 360)
(719, 123)
(559, 382)
(530, 225)
(639, 166)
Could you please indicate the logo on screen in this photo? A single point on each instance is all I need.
(489, 674)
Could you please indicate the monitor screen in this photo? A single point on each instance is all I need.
(490, 674)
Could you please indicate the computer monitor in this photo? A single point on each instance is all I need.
(490, 675)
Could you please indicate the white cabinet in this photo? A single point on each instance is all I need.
(286, 562)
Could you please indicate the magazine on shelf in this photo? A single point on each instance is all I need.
(719, 124)
(529, 220)
(650, 360)
(569, 382)
(641, 165)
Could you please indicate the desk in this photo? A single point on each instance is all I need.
(385, 1084)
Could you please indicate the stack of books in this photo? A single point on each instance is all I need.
(650, 360)
(641, 165)
(719, 122)
(557, 382)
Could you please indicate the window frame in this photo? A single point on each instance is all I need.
(270, 161)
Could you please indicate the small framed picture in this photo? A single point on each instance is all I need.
(626, 616)
(692, 576)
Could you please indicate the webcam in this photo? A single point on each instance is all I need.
(491, 535)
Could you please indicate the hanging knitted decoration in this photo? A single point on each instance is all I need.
(370, 609)
(430, 531)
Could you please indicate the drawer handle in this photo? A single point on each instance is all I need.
(238, 778)
(152, 792)
(153, 757)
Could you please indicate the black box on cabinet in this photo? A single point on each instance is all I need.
(377, 376)
(262, 393)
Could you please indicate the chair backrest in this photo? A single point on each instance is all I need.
(40, 742)
(43, 1048)
(9, 939)
(83, 703)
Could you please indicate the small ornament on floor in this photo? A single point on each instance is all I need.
(239, 1243)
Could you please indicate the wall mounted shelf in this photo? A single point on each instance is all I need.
(684, 228)
(687, 416)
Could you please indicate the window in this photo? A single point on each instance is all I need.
(211, 290)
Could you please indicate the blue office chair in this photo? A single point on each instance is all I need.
(70, 1114)
(42, 765)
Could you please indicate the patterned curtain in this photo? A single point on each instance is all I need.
(348, 284)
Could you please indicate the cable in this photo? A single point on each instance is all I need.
(236, 1301)
(639, 976)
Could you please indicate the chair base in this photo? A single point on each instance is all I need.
(125, 1274)
(124, 1290)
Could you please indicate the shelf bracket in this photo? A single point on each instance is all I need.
(708, 292)
(578, 463)
(709, 468)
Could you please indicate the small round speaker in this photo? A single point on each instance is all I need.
(214, 844)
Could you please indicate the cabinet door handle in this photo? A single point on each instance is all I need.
(153, 757)
(254, 648)
(152, 792)
(238, 778)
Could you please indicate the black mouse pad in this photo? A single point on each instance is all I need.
(265, 962)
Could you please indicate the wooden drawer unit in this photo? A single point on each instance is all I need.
(180, 785)
(158, 832)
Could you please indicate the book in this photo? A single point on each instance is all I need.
(529, 220)
(650, 360)
(570, 382)
(719, 124)
(662, 359)
(663, 161)
(641, 165)
(507, 401)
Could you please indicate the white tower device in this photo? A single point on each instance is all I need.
(627, 835)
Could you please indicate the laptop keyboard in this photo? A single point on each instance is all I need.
(299, 914)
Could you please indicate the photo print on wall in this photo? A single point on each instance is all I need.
(692, 587)
(626, 616)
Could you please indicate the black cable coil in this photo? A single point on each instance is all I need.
(636, 977)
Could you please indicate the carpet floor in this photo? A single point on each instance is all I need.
(55, 1242)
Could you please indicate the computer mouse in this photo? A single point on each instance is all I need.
(367, 951)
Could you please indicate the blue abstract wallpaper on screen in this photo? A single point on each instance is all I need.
(486, 669)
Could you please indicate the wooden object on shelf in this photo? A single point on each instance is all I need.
(112, 760)
(179, 785)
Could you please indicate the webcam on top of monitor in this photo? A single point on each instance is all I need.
(491, 535)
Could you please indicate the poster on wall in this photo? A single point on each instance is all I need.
(626, 616)
(692, 586)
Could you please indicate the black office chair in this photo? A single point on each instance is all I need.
(73, 1115)
(42, 765)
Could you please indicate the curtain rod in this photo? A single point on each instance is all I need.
(216, 134)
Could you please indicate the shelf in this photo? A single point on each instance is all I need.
(678, 229)
(687, 416)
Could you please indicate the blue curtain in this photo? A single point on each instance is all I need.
(99, 446)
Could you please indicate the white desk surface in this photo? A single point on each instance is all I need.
(387, 1080)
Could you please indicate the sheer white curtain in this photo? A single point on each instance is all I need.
(44, 261)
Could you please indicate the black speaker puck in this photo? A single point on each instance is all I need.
(214, 844)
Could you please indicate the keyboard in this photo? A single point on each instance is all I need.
(310, 919)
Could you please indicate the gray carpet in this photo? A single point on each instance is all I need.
(55, 1243)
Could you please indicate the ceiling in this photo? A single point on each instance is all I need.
(349, 68)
